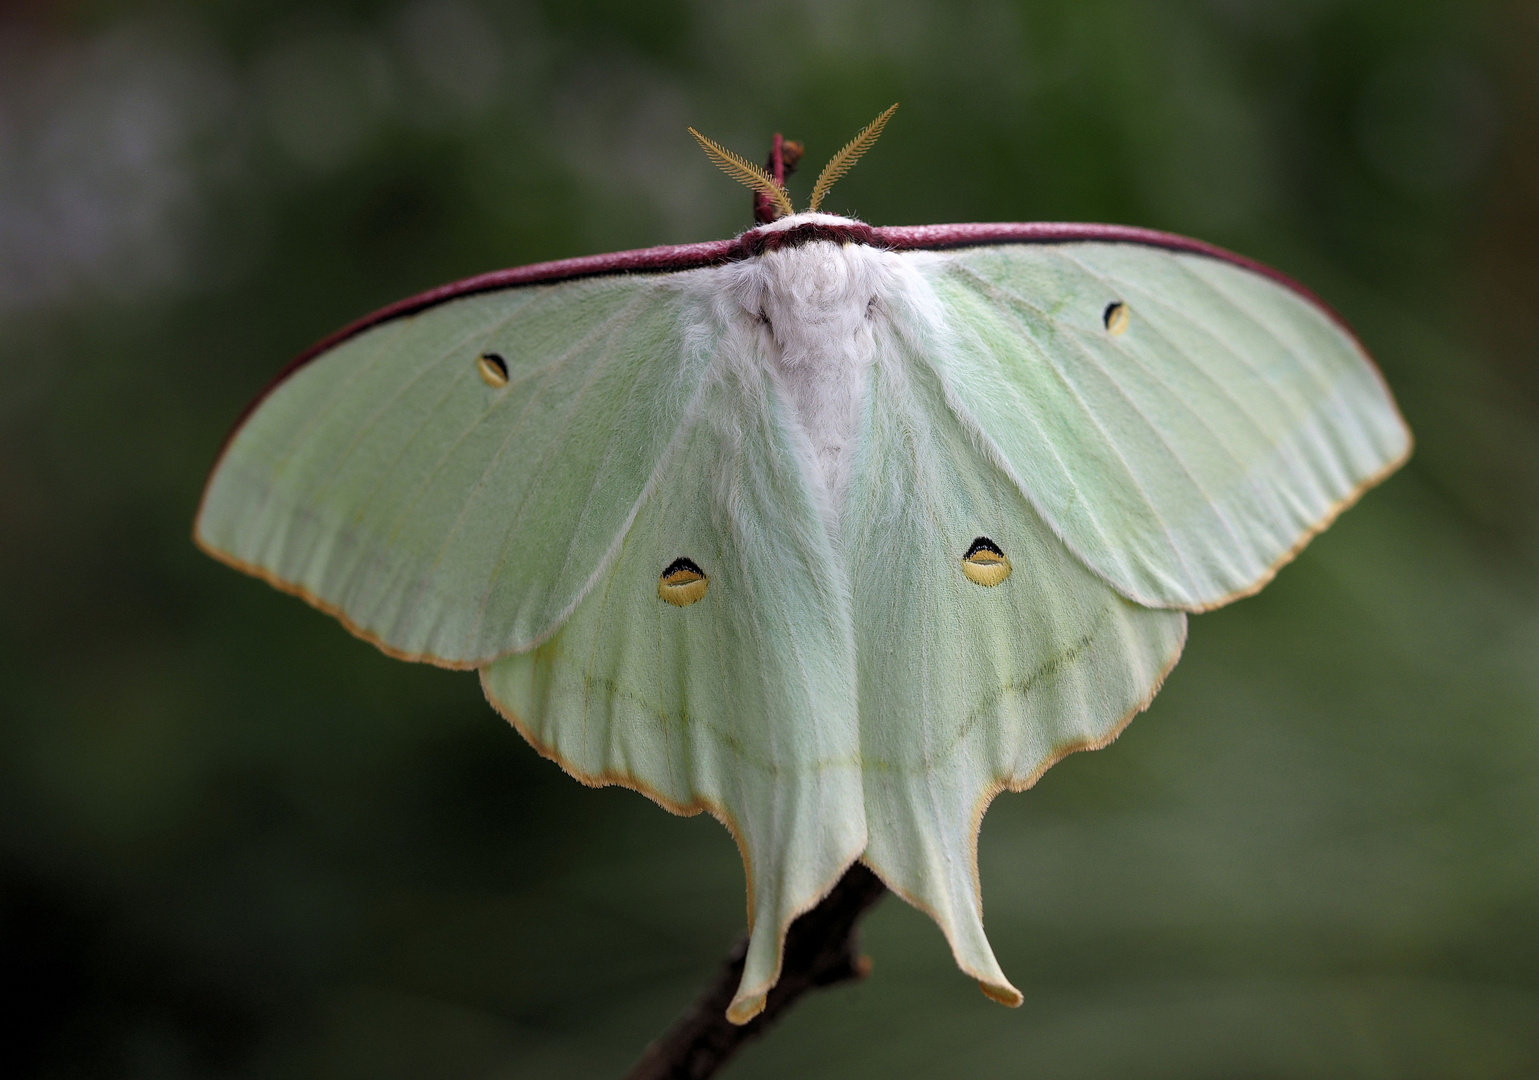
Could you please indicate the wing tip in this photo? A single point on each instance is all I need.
(745, 1007)
(283, 585)
(1003, 993)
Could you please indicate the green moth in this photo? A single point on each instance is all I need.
(832, 531)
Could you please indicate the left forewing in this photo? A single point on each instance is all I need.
(450, 511)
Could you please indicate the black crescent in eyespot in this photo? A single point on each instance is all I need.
(982, 543)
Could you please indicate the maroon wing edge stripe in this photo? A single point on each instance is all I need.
(646, 260)
(716, 252)
(938, 237)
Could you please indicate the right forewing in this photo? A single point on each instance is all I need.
(1185, 444)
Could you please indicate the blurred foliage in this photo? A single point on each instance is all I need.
(236, 841)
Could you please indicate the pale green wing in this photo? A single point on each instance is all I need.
(444, 518)
(1187, 457)
(741, 703)
(967, 690)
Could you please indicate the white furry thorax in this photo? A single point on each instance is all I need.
(809, 315)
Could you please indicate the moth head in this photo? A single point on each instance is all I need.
(772, 187)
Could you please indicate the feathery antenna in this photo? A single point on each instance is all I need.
(845, 159)
(746, 172)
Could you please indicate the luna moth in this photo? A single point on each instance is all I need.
(831, 531)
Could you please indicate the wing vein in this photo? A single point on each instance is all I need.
(428, 368)
(1089, 414)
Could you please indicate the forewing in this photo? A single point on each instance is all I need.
(1187, 457)
(741, 703)
(444, 518)
(966, 690)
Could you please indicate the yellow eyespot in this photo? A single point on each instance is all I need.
(682, 583)
(984, 564)
(1115, 317)
(493, 369)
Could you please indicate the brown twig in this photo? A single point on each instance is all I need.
(822, 949)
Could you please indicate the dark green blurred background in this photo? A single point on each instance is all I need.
(238, 842)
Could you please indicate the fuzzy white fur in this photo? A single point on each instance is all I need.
(807, 315)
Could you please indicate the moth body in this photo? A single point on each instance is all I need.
(810, 309)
